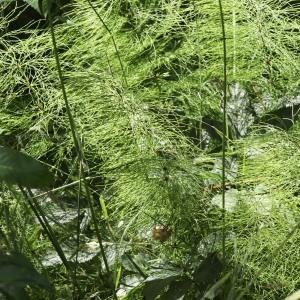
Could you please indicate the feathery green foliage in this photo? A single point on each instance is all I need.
(144, 84)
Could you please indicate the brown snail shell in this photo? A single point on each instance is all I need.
(161, 233)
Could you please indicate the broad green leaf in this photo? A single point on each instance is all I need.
(34, 4)
(156, 283)
(208, 271)
(141, 259)
(216, 289)
(130, 284)
(43, 7)
(16, 272)
(21, 169)
(177, 289)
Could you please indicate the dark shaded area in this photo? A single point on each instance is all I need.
(20, 169)
(282, 118)
(22, 16)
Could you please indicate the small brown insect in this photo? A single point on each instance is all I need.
(161, 233)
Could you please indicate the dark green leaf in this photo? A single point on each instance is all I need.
(129, 285)
(16, 272)
(177, 289)
(156, 283)
(208, 271)
(21, 169)
(43, 7)
(34, 4)
(216, 289)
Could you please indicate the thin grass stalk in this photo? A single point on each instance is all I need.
(224, 135)
(78, 220)
(98, 233)
(96, 227)
(113, 40)
(63, 187)
(34, 204)
(48, 230)
(45, 224)
(113, 237)
(70, 116)
(137, 267)
(68, 109)
(78, 148)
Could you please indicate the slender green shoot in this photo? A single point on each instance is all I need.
(78, 146)
(224, 136)
(113, 40)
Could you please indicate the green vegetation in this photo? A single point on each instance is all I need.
(119, 108)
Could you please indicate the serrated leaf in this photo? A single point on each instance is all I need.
(21, 169)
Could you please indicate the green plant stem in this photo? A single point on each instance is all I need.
(137, 267)
(143, 274)
(78, 148)
(63, 187)
(78, 221)
(77, 143)
(113, 237)
(113, 40)
(224, 136)
(68, 109)
(37, 210)
(98, 235)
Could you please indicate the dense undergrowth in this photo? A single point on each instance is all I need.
(144, 83)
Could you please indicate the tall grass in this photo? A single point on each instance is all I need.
(139, 77)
